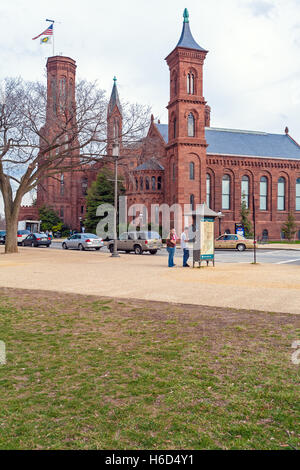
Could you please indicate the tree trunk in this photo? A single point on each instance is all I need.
(11, 243)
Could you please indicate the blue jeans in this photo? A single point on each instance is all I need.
(171, 252)
(186, 255)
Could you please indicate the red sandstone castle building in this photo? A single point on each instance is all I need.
(187, 161)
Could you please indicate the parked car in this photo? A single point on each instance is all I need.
(232, 241)
(83, 241)
(21, 235)
(37, 239)
(138, 242)
(2, 236)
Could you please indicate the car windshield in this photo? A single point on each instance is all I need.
(89, 235)
(23, 232)
(2, 232)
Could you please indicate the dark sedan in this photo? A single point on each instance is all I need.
(37, 239)
(2, 236)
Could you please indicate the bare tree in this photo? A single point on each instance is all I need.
(40, 138)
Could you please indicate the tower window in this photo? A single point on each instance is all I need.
(62, 184)
(192, 170)
(191, 125)
(174, 127)
(192, 201)
(147, 183)
(173, 172)
(190, 83)
(141, 184)
(84, 186)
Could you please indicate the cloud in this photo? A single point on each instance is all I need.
(261, 8)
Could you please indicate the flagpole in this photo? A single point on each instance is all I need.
(52, 21)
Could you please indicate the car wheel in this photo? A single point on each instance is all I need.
(23, 244)
(32, 244)
(111, 248)
(241, 247)
(64, 246)
(97, 249)
(153, 252)
(80, 247)
(138, 250)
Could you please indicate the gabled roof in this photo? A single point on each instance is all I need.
(151, 164)
(186, 39)
(245, 143)
(114, 99)
(163, 129)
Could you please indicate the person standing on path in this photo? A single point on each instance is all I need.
(186, 254)
(171, 247)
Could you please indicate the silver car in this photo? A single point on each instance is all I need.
(83, 241)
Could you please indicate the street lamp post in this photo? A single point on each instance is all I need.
(220, 215)
(115, 152)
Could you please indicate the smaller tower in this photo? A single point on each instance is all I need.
(114, 118)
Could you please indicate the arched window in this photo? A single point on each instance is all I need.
(226, 192)
(245, 191)
(174, 127)
(281, 194)
(84, 186)
(62, 184)
(298, 194)
(263, 193)
(192, 170)
(175, 84)
(141, 184)
(62, 92)
(192, 201)
(153, 183)
(191, 125)
(136, 184)
(159, 183)
(147, 183)
(190, 85)
(62, 213)
(173, 172)
(208, 189)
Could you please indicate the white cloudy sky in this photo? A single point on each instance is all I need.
(252, 71)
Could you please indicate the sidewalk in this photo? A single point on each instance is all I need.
(279, 246)
(241, 286)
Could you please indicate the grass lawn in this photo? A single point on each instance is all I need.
(96, 373)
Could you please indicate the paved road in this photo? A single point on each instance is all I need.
(289, 257)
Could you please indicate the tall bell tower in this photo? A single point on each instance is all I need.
(186, 148)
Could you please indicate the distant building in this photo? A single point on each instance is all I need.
(187, 161)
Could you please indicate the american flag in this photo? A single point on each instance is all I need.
(47, 32)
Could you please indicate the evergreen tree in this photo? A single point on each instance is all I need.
(245, 220)
(48, 217)
(101, 191)
(289, 228)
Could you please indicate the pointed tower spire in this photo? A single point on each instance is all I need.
(114, 99)
(186, 39)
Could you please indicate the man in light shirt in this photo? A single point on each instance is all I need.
(184, 240)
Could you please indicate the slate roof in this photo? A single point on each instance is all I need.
(245, 143)
(186, 39)
(149, 165)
